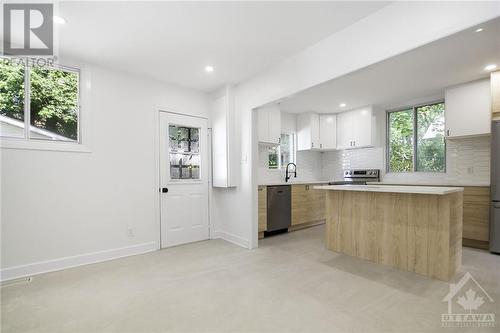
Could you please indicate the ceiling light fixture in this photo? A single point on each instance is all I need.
(209, 69)
(342, 105)
(479, 29)
(490, 67)
(58, 20)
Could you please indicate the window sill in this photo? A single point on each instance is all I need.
(23, 144)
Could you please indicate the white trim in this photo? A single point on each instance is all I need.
(211, 226)
(231, 238)
(158, 170)
(156, 145)
(21, 271)
(49, 145)
(84, 123)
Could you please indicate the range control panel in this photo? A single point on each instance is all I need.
(359, 173)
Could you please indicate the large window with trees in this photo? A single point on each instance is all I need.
(415, 139)
(38, 103)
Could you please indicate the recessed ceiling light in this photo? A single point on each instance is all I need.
(342, 105)
(59, 20)
(490, 67)
(479, 29)
(209, 69)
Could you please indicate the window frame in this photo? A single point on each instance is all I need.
(84, 92)
(415, 137)
(294, 154)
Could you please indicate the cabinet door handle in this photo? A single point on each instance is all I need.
(321, 145)
(447, 132)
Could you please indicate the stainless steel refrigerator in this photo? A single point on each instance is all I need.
(495, 188)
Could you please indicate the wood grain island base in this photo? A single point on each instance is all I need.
(416, 232)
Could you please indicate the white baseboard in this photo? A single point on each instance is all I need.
(21, 271)
(237, 240)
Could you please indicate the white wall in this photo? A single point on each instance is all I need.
(392, 30)
(58, 205)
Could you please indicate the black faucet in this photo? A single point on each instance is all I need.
(287, 173)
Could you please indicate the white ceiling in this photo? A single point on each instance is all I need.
(420, 73)
(173, 42)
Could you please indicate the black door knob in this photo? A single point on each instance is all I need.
(164, 190)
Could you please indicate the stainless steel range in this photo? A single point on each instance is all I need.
(358, 177)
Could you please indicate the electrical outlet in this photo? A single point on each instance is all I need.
(131, 232)
(470, 170)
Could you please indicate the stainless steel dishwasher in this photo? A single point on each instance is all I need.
(279, 207)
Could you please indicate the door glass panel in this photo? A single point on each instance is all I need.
(184, 152)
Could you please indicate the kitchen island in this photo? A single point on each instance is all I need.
(413, 228)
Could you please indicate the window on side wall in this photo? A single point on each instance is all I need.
(284, 153)
(39, 103)
(416, 140)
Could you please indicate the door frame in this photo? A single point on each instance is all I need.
(158, 172)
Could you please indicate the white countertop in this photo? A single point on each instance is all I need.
(437, 190)
(429, 184)
(296, 182)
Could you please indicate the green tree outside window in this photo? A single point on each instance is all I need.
(53, 95)
(420, 150)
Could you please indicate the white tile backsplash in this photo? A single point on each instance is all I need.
(333, 163)
(468, 163)
(308, 167)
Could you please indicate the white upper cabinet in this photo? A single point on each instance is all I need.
(225, 155)
(308, 131)
(468, 109)
(269, 124)
(316, 132)
(362, 124)
(354, 128)
(344, 130)
(328, 131)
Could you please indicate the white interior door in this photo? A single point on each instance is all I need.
(183, 179)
